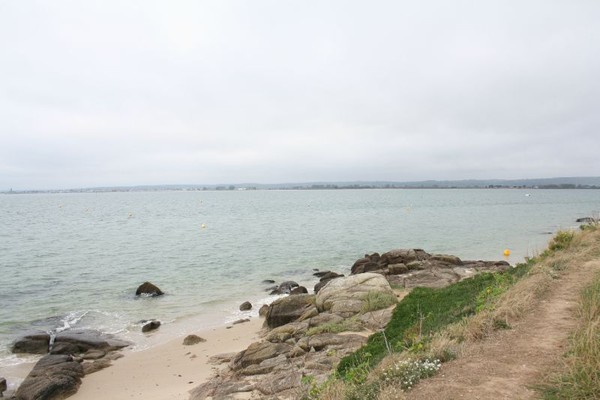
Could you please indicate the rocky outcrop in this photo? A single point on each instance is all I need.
(410, 268)
(148, 289)
(273, 368)
(345, 297)
(72, 354)
(32, 343)
(288, 309)
(285, 287)
(53, 377)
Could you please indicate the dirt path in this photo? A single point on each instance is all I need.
(508, 363)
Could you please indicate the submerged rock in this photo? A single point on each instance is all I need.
(151, 326)
(148, 289)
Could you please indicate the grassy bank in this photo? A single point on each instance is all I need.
(582, 377)
(430, 326)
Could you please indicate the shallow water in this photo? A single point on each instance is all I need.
(75, 260)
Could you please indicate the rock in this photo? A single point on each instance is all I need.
(93, 354)
(150, 326)
(65, 348)
(279, 382)
(95, 366)
(285, 288)
(245, 306)
(415, 265)
(263, 310)
(432, 278)
(446, 259)
(310, 313)
(222, 358)
(148, 289)
(268, 281)
(257, 352)
(265, 367)
(324, 318)
(397, 269)
(219, 389)
(319, 274)
(321, 341)
(326, 278)
(376, 320)
(89, 339)
(285, 332)
(191, 340)
(299, 290)
(587, 220)
(288, 309)
(404, 256)
(241, 321)
(32, 343)
(53, 377)
(3, 386)
(344, 296)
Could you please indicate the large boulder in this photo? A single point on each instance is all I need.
(288, 309)
(32, 343)
(54, 377)
(345, 296)
(258, 352)
(148, 289)
(88, 339)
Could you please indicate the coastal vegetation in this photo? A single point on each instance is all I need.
(432, 326)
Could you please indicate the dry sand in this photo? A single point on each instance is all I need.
(168, 371)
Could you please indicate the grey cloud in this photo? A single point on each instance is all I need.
(109, 93)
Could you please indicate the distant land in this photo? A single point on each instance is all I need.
(541, 183)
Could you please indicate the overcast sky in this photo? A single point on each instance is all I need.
(97, 93)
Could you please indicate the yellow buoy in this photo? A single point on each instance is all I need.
(203, 226)
(506, 252)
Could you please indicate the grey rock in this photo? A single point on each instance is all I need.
(397, 269)
(3, 386)
(258, 352)
(245, 306)
(89, 339)
(299, 290)
(288, 309)
(151, 326)
(32, 343)
(53, 377)
(345, 296)
(263, 310)
(285, 287)
(148, 289)
(279, 382)
(191, 340)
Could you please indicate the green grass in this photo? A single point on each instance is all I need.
(425, 311)
(375, 300)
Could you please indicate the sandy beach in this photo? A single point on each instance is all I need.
(168, 371)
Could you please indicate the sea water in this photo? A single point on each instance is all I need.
(75, 260)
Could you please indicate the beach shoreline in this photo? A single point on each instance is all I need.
(167, 370)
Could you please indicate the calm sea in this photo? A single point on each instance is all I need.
(75, 260)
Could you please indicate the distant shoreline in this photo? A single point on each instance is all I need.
(529, 184)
